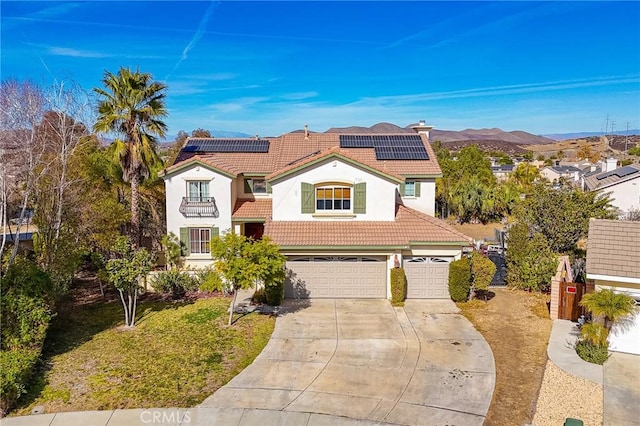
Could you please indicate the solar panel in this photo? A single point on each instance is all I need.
(401, 153)
(621, 172)
(371, 141)
(226, 145)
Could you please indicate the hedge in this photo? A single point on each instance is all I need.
(459, 279)
(398, 286)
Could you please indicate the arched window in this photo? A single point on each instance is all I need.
(332, 197)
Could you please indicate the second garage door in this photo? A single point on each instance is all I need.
(336, 277)
(427, 277)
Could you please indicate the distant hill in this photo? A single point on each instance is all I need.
(582, 135)
(495, 137)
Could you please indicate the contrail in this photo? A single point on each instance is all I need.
(196, 37)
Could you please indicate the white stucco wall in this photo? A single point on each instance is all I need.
(219, 188)
(624, 335)
(426, 202)
(625, 195)
(380, 198)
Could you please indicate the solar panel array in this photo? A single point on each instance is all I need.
(226, 145)
(621, 172)
(388, 147)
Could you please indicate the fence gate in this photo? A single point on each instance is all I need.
(570, 296)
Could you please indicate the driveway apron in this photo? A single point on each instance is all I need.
(621, 389)
(363, 359)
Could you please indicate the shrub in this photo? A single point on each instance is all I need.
(398, 286)
(459, 279)
(25, 314)
(595, 354)
(174, 281)
(209, 280)
(274, 289)
(483, 271)
(15, 369)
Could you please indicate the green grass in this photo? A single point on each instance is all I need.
(177, 355)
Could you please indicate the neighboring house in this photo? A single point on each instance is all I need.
(344, 208)
(613, 261)
(623, 183)
(502, 171)
(555, 173)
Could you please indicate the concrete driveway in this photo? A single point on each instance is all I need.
(363, 359)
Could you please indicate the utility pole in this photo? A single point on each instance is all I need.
(626, 137)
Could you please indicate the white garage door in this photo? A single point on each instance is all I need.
(427, 277)
(625, 336)
(336, 277)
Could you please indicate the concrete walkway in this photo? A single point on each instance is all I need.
(342, 362)
(619, 376)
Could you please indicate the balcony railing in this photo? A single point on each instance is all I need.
(199, 207)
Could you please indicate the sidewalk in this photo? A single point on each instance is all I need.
(562, 353)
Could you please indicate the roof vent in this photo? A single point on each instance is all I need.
(306, 131)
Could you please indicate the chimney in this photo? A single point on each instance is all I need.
(306, 131)
(610, 164)
(422, 129)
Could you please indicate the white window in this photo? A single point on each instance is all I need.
(198, 191)
(409, 189)
(200, 240)
(255, 186)
(333, 198)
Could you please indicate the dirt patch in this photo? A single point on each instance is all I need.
(478, 231)
(518, 334)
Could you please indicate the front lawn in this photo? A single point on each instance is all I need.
(177, 355)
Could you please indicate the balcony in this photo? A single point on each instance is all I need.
(199, 207)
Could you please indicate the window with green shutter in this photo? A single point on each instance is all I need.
(184, 242)
(360, 198)
(307, 198)
(410, 188)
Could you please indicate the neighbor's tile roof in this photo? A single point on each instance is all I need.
(592, 182)
(291, 148)
(410, 226)
(251, 209)
(613, 248)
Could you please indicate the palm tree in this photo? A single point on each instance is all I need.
(132, 106)
(610, 305)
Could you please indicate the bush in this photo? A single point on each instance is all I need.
(25, 313)
(16, 367)
(483, 271)
(595, 354)
(459, 279)
(209, 280)
(274, 290)
(398, 286)
(259, 296)
(174, 281)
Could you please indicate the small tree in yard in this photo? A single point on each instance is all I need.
(125, 272)
(241, 262)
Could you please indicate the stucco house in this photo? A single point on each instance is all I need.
(344, 208)
(613, 261)
(623, 183)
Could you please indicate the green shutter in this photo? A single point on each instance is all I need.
(402, 189)
(268, 188)
(215, 231)
(247, 186)
(307, 197)
(360, 198)
(184, 241)
(417, 189)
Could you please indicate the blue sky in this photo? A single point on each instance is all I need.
(270, 67)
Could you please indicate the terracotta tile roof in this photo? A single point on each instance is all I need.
(613, 248)
(410, 226)
(251, 209)
(333, 151)
(209, 159)
(295, 147)
(592, 182)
